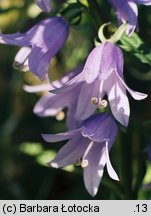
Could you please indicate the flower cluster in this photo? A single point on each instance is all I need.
(83, 91)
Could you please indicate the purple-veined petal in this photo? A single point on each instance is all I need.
(77, 80)
(92, 66)
(112, 59)
(118, 100)
(108, 63)
(85, 108)
(54, 84)
(50, 104)
(136, 95)
(90, 125)
(97, 158)
(60, 136)
(110, 169)
(44, 34)
(18, 39)
(119, 60)
(94, 171)
(36, 64)
(44, 5)
(72, 122)
(99, 128)
(70, 153)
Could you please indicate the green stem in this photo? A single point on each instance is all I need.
(141, 166)
(126, 163)
(95, 12)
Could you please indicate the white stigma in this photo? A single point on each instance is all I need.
(103, 104)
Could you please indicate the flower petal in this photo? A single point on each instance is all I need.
(70, 152)
(37, 88)
(110, 169)
(136, 95)
(44, 5)
(92, 66)
(100, 127)
(60, 136)
(77, 80)
(84, 107)
(48, 105)
(94, 171)
(72, 122)
(118, 100)
(37, 65)
(108, 60)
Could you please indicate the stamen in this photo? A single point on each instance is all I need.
(78, 162)
(60, 116)
(94, 100)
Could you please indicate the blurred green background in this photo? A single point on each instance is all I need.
(24, 173)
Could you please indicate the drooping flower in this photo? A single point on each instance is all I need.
(45, 5)
(127, 11)
(89, 144)
(103, 75)
(52, 104)
(40, 44)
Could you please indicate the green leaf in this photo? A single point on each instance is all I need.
(45, 157)
(32, 149)
(137, 47)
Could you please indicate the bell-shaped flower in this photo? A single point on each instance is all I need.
(102, 75)
(127, 11)
(40, 44)
(88, 145)
(45, 5)
(53, 104)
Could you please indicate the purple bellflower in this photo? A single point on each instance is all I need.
(40, 44)
(127, 11)
(44, 5)
(52, 104)
(90, 145)
(102, 75)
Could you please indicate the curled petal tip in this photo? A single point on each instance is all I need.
(138, 95)
(53, 164)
